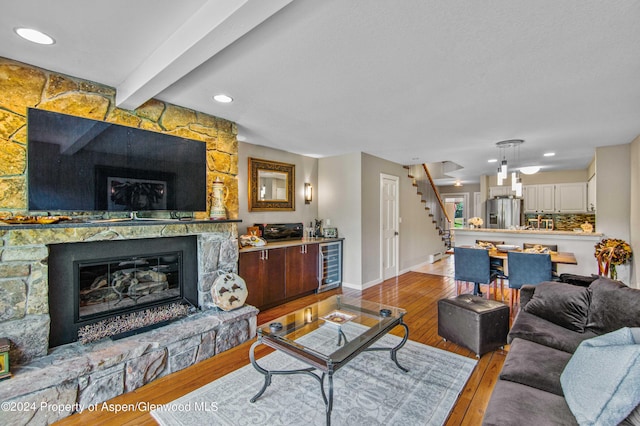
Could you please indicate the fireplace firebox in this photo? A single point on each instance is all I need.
(96, 281)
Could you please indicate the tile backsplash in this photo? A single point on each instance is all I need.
(565, 221)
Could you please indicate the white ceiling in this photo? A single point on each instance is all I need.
(409, 81)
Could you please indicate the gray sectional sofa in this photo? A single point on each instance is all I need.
(574, 357)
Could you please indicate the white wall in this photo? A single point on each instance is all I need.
(613, 196)
(306, 171)
(542, 177)
(349, 194)
(339, 200)
(634, 226)
(418, 235)
(613, 191)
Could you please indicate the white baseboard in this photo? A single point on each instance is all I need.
(352, 286)
(364, 286)
(371, 283)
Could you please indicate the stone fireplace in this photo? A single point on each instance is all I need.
(85, 374)
(92, 284)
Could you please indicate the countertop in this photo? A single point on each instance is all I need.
(289, 243)
(526, 231)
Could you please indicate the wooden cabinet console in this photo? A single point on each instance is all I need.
(301, 265)
(263, 271)
(279, 272)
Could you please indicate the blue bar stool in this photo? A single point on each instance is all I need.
(472, 265)
(527, 268)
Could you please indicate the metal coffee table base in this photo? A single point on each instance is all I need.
(330, 369)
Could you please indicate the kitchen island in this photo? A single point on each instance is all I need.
(581, 244)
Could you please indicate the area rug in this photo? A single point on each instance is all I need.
(370, 390)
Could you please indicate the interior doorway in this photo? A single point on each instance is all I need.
(457, 208)
(389, 225)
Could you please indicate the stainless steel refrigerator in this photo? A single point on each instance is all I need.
(504, 213)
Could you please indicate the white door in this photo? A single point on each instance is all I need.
(389, 202)
(478, 211)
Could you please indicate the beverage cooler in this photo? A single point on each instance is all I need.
(330, 265)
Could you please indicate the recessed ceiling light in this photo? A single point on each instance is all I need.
(34, 36)
(493, 160)
(223, 99)
(549, 154)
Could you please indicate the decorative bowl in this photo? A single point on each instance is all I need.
(506, 247)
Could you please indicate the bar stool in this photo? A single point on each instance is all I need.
(472, 265)
(551, 247)
(527, 268)
(497, 265)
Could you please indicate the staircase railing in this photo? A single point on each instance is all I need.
(431, 197)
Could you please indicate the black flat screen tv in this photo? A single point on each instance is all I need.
(80, 165)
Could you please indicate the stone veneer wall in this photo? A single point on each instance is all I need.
(84, 375)
(24, 86)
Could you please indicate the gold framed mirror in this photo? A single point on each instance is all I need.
(271, 185)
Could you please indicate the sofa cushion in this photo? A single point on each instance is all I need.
(531, 327)
(613, 306)
(601, 382)
(563, 304)
(535, 365)
(516, 404)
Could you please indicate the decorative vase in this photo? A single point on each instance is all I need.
(218, 211)
(612, 272)
(586, 227)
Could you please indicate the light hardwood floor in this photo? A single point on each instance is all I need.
(416, 292)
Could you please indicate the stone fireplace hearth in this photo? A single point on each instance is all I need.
(92, 373)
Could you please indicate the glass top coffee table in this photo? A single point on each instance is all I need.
(327, 335)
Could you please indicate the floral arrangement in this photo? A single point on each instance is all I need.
(612, 251)
(476, 221)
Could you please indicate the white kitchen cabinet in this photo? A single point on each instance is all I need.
(546, 198)
(500, 191)
(591, 194)
(571, 197)
(530, 195)
(539, 198)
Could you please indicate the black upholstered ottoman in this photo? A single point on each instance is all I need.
(478, 324)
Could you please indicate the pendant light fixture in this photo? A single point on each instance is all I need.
(503, 170)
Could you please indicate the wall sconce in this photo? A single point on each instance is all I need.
(308, 193)
(308, 316)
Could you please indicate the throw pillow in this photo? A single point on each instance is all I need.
(613, 305)
(563, 304)
(601, 382)
(632, 419)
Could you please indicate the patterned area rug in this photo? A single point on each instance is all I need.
(370, 390)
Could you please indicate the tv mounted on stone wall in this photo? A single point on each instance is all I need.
(77, 164)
